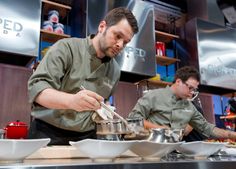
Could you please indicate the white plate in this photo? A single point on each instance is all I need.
(18, 149)
(102, 149)
(230, 151)
(230, 146)
(153, 150)
(200, 148)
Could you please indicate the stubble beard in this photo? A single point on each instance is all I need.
(104, 47)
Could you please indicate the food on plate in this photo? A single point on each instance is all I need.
(142, 135)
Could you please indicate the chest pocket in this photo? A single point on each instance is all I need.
(99, 82)
(180, 117)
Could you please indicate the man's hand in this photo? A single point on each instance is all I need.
(187, 130)
(86, 100)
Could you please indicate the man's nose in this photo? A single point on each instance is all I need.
(120, 44)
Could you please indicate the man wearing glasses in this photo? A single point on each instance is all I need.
(171, 107)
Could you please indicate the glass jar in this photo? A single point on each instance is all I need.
(53, 16)
(58, 28)
(48, 25)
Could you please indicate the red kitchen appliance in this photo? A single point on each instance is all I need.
(16, 130)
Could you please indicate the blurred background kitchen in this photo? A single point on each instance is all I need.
(172, 34)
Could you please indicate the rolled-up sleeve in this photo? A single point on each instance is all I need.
(49, 72)
(142, 108)
(36, 88)
(199, 123)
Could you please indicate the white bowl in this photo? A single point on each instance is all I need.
(19, 149)
(200, 148)
(102, 149)
(152, 150)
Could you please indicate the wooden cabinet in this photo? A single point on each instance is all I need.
(160, 60)
(51, 5)
(51, 36)
(152, 83)
(165, 61)
(165, 37)
(63, 15)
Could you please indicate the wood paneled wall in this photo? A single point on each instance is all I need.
(125, 97)
(13, 94)
(207, 106)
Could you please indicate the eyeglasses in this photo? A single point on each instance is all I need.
(193, 90)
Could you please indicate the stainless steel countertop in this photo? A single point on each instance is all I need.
(125, 163)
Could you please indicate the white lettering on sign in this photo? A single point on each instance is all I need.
(136, 52)
(8, 26)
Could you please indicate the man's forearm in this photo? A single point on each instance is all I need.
(53, 99)
(84, 100)
(221, 133)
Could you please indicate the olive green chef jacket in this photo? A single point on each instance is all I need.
(160, 106)
(66, 66)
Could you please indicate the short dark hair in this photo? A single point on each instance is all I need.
(117, 14)
(187, 72)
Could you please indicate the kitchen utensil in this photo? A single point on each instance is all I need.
(157, 135)
(138, 132)
(104, 114)
(174, 135)
(114, 113)
(16, 130)
(136, 124)
(110, 129)
(162, 135)
(110, 110)
(2, 133)
(101, 112)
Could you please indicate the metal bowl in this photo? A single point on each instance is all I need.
(161, 135)
(2, 133)
(110, 129)
(136, 125)
(174, 135)
(157, 135)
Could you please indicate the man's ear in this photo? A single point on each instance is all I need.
(102, 26)
(178, 81)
